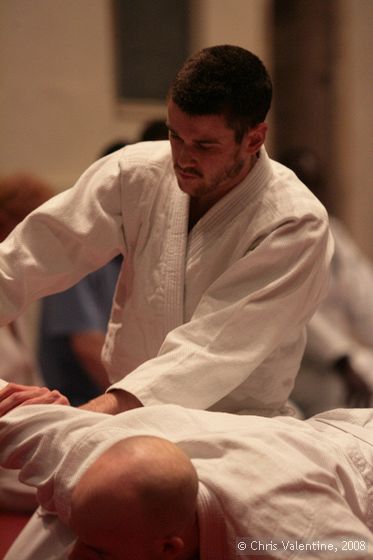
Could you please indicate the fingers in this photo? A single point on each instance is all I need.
(6, 394)
(53, 397)
(11, 388)
(14, 395)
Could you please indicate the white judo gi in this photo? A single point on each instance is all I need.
(214, 318)
(267, 482)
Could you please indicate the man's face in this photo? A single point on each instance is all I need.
(208, 162)
(101, 546)
(111, 533)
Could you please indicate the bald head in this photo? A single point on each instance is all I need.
(139, 493)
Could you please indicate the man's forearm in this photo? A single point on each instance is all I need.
(87, 347)
(113, 402)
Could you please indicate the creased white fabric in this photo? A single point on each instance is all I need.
(277, 478)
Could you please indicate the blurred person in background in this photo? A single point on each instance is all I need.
(19, 195)
(337, 368)
(73, 327)
(74, 322)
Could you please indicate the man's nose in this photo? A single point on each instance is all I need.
(186, 156)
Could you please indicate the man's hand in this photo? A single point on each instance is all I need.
(14, 395)
(113, 402)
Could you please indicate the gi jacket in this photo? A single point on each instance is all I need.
(214, 318)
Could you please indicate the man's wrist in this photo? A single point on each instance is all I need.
(113, 402)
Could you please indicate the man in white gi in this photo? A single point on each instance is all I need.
(124, 487)
(19, 195)
(226, 253)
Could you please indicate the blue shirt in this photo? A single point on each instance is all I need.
(83, 307)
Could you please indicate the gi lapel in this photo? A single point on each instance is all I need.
(175, 249)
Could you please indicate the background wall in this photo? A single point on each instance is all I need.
(305, 37)
(57, 99)
(353, 157)
(58, 104)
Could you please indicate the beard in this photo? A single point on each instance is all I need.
(219, 180)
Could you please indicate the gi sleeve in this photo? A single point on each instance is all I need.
(37, 439)
(72, 234)
(54, 445)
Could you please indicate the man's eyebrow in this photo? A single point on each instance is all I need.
(208, 141)
(202, 140)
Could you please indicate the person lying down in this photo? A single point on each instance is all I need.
(166, 482)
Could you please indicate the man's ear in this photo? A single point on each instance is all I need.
(170, 548)
(255, 138)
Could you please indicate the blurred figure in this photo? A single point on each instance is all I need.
(74, 322)
(154, 130)
(19, 195)
(73, 327)
(337, 369)
(72, 332)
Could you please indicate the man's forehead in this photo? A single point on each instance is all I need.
(202, 127)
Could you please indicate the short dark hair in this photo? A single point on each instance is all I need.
(226, 80)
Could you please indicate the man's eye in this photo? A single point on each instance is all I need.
(204, 147)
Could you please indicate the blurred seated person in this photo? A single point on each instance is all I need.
(72, 332)
(19, 195)
(74, 322)
(337, 368)
(73, 327)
